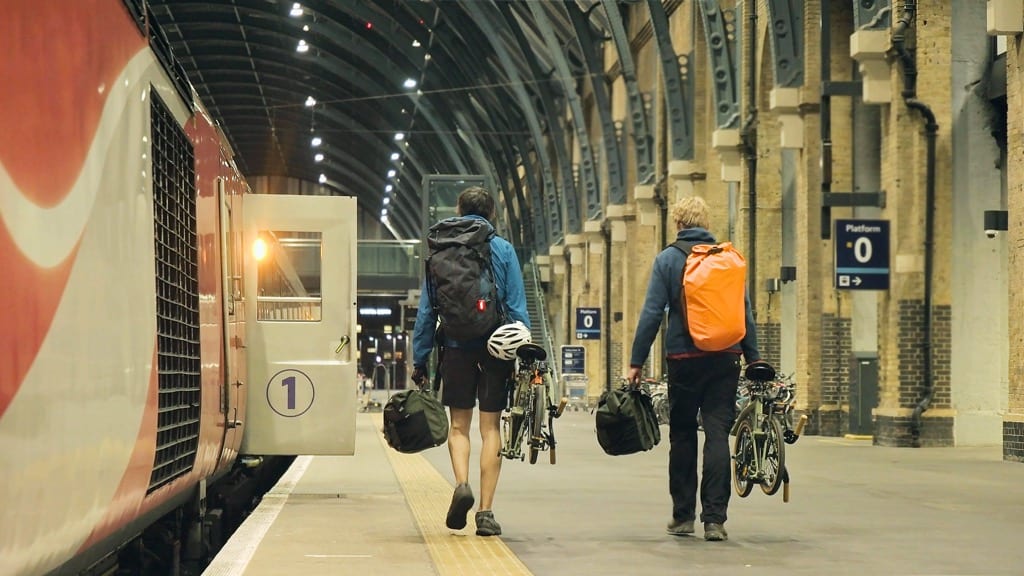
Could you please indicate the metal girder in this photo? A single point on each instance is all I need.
(642, 141)
(787, 38)
(722, 55)
(585, 37)
(541, 235)
(588, 174)
(528, 110)
(872, 14)
(678, 87)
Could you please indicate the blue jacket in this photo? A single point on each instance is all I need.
(663, 291)
(509, 278)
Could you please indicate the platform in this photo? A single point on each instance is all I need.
(854, 509)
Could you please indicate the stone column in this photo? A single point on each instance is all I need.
(618, 217)
(1013, 419)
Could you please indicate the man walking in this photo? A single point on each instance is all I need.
(470, 299)
(698, 379)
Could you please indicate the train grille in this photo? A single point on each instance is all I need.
(177, 297)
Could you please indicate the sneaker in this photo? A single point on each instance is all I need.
(486, 525)
(680, 527)
(715, 532)
(462, 503)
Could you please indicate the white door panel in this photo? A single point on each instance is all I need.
(300, 276)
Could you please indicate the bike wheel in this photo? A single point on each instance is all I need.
(743, 459)
(774, 461)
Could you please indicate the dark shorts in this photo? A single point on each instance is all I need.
(468, 375)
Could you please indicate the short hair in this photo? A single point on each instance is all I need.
(691, 212)
(476, 201)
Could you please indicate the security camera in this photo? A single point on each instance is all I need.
(991, 233)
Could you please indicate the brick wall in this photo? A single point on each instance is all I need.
(836, 350)
(769, 343)
(1013, 441)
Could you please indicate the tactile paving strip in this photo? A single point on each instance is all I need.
(453, 553)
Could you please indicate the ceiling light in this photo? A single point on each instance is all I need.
(302, 47)
(323, 178)
(310, 101)
(305, 27)
(318, 158)
(394, 155)
(316, 141)
(389, 188)
(399, 136)
(415, 43)
(384, 212)
(387, 201)
(369, 25)
(296, 10)
(409, 83)
(391, 173)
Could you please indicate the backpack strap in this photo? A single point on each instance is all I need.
(684, 246)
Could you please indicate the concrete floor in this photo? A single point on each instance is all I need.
(854, 509)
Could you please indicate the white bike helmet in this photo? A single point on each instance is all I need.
(503, 342)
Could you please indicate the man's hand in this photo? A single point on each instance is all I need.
(419, 375)
(633, 376)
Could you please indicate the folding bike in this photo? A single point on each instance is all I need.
(530, 414)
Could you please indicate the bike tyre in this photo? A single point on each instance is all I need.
(743, 448)
(774, 437)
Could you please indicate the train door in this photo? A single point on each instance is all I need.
(300, 278)
(232, 319)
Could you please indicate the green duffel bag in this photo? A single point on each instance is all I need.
(415, 420)
(626, 421)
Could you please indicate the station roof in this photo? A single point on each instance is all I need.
(369, 96)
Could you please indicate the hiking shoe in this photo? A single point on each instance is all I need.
(462, 503)
(715, 532)
(680, 527)
(486, 525)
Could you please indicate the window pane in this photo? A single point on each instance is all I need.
(288, 277)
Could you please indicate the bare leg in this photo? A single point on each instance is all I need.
(458, 443)
(490, 461)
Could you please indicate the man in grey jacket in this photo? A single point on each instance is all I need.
(697, 380)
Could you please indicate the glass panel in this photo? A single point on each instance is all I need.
(289, 272)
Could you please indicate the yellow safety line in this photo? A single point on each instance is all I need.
(454, 553)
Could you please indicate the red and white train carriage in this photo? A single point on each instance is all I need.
(133, 368)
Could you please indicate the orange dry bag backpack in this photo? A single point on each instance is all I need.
(713, 294)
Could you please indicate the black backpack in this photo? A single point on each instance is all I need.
(460, 281)
(626, 421)
(415, 420)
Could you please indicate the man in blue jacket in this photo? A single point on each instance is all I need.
(470, 374)
(697, 380)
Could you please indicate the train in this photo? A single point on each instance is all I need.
(169, 337)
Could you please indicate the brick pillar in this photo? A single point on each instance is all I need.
(809, 246)
(592, 296)
(618, 217)
(642, 243)
(1013, 420)
(557, 297)
(902, 310)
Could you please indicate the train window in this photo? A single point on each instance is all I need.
(288, 276)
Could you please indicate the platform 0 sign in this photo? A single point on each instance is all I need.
(862, 255)
(588, 323)
(574, 360)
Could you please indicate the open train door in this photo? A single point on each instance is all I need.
(300, 275)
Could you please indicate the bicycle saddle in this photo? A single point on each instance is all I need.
(531, 352)
(760, 371)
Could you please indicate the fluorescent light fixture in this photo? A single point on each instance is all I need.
(318, 157)
(310, 101)
(296, 10)
(409, 83)
(391, 173)
(389, 188)
(375, 312)
(323, 178)
(399, 136)
(316, 141)
(394, 155)
(302, 47)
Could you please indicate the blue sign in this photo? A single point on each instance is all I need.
(290, 393)
(588, 323)
(862, 255)
(574, 360)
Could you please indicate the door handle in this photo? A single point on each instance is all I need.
(342, 345)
